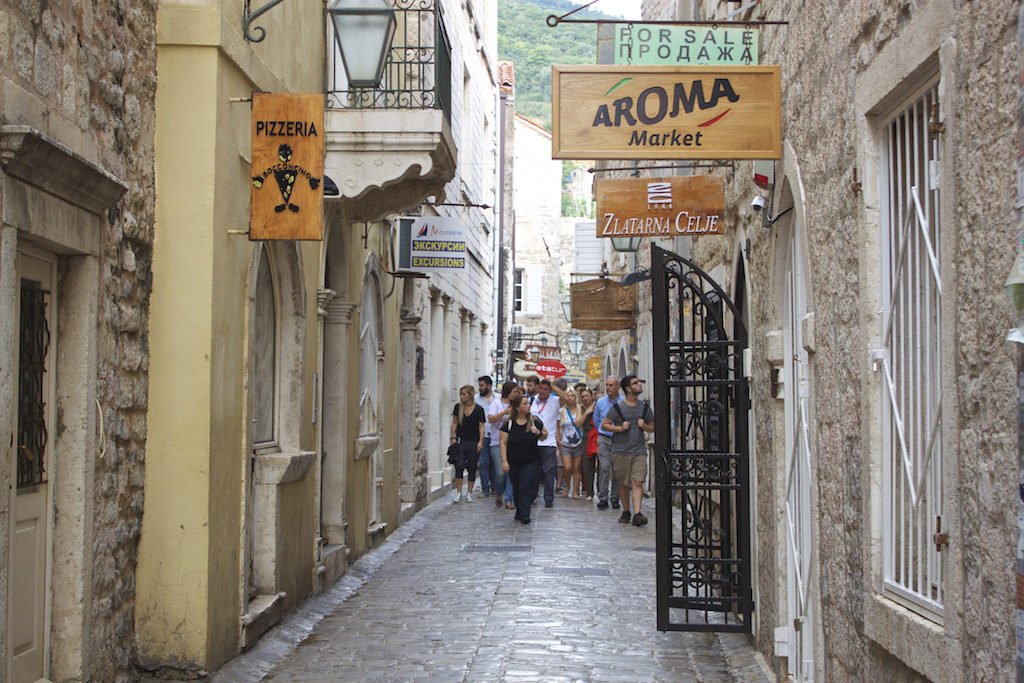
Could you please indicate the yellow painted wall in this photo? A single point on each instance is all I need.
(190, 577)
(173, 588)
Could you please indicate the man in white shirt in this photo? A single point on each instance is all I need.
(546, 407)
(483, 399)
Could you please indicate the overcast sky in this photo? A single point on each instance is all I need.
(627, 9)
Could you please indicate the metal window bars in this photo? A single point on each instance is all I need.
(911, 363)
(34, 342)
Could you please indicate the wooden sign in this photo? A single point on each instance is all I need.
(286, 194)
(659, 207)
(666, 112)
(601, 305)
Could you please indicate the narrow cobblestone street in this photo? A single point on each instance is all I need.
(462, 592)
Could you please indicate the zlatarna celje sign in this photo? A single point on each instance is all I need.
(659, 207)
(666, 112)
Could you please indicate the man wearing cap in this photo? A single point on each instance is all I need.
(628, 420)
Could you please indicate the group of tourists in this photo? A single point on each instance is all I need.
(553, 439)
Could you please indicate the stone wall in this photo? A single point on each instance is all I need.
(85, 75)
(844, 67)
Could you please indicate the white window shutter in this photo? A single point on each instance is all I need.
(534, 292)
(589, 248)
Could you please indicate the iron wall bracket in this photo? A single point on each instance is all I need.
(258, 33)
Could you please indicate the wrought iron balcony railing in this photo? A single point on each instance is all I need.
(417, 73)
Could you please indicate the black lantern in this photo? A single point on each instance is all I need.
(363, 30)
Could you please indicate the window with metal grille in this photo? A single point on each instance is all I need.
(34, 342)
(911, 358)
(517, 290)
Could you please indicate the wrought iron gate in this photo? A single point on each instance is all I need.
(701, 451)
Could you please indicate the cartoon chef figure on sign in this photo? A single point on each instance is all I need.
(285, 174)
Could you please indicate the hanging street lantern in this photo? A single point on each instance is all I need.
(363, 31)
(567, 308)
(575, 343)
(626, 243)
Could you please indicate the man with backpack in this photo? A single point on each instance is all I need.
(628, 420)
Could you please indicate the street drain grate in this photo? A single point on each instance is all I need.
(497, 548)
(577, 571)
(645, 548)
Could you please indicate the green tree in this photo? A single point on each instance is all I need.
(525, 38)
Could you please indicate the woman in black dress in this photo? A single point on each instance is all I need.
(519, 455)
(468, 421)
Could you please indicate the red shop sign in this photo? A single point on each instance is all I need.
(549, 368)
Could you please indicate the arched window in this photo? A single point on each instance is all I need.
(265, 354)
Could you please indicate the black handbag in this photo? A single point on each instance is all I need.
(453, 453)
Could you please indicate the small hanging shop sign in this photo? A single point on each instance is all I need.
(431, 244)
(286, 193)
(659, 207)
(661, 44)
(601, 304)
(666, 112)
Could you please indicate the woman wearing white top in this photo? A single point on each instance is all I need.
(571, 439)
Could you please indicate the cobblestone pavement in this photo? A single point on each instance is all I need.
(462, 592)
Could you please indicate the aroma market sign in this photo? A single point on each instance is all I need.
(666, 112)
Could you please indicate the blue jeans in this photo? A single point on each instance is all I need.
(549, 467)
(524, 485)
(499, 482)
(484, 466)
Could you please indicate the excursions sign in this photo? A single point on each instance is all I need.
(431, 244)
(659, 207)
(666, 112)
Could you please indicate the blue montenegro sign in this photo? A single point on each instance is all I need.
(431, 244)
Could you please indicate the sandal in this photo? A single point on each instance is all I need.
(510, 506)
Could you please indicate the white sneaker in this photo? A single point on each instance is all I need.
(457, 497)
(469, 497)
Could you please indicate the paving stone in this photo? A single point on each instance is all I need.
(578, 606)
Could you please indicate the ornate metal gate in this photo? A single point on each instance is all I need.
(701, 451)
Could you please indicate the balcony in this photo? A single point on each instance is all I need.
(388, 148)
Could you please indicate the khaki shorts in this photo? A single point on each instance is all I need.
(627, 468)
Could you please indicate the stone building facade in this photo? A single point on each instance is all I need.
(540, 273)
(881, 382)
(77, 88)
